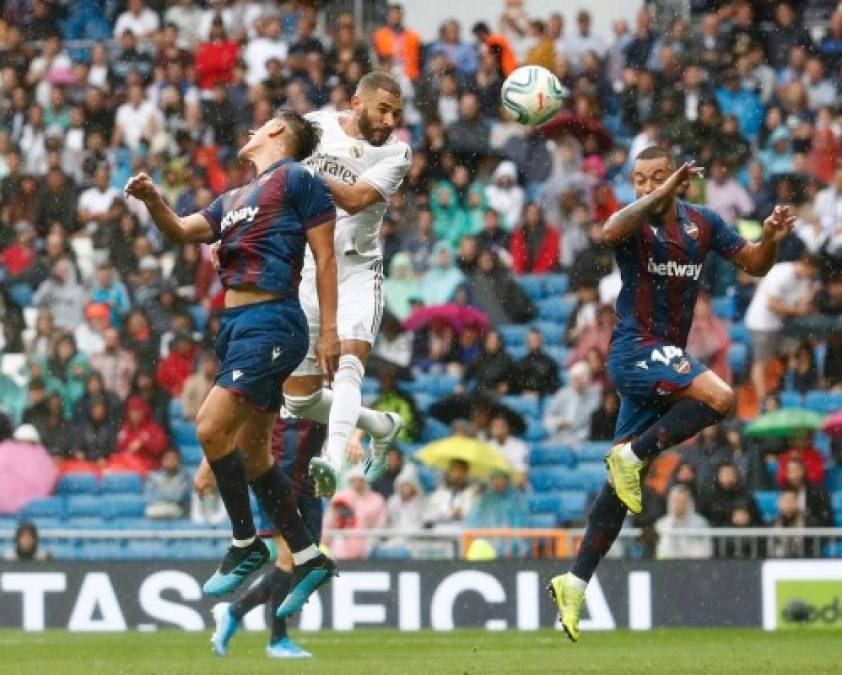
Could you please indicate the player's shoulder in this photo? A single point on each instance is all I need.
(397, 149)
(701, 213)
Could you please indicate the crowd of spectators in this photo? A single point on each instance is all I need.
(114, 322)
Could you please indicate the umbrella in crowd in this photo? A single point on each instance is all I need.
(27, 471)
(457, 316)
(482, 459)
(581, 128)
(833, 424)
(785, 422)
(464, 406)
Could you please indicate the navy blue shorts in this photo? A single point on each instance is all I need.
(258, 347)
(645, 377)
(311, 509)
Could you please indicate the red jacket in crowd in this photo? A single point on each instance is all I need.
(174, 369)
(811, 459)
(141, 440)
(215, 63)
(547, 257)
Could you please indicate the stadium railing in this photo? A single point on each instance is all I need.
(748, 543)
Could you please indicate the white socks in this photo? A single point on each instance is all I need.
(577, 583)
(242, 543)
(301, 557)
(345, 410)
(627, 453)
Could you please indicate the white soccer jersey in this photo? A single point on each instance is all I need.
(341, 157)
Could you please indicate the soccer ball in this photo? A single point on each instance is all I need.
(532, 95)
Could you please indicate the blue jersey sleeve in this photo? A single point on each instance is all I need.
(724, 239)
(310, 197)
(213, 214)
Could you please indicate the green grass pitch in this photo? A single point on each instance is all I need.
(370, 652)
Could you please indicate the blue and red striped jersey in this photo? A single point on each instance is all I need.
(262, 227)
(661, 266)
(295, 441)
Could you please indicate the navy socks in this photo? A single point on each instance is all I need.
(604, 524)
(274, 491)
(230, 474)
(685, 419)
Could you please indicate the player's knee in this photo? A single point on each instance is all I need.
(257, 464)
(350, 369)
(210, 430)
(299, 405)
(723, 401)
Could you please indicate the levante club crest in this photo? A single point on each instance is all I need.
(692, 230)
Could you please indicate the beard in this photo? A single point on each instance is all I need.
(372, 134)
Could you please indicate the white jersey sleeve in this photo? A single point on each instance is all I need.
(387, 175)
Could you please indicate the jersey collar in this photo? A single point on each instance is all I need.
(274, 166)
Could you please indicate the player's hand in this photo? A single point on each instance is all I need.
(327, 354)
(355, 451)
(779, 224)
(214, 256)
(203, 480)
(679, 180)
(140, 186)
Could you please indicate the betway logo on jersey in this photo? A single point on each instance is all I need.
(675, 269)
(246, 213)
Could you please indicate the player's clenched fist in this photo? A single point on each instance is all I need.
(141, 187)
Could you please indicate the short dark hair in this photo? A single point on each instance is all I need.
(307, 134)
(376, 80)
(655, 152)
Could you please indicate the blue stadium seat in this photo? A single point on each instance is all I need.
(556, 285)
(428, 478)
(535, 432)
(122, 482)
(85, 505)
(543, 521)
(834, 478)
(592, 451)
(548, 502)
(555, 478)
(557, 310)
(175, 409)
(550, 453)
(517, 352)
(443, 385)
(560, 355)
(390, 553)
(191, 455)
(513, 334)
(85, 523)
(183, 432)
(738, 333)
(823, 401)
(49, 507)
(8, 522)
(370, 387)
(77, 484)
(590, 476)
(738, 357)
(836, 502)
(200, 316)
(527, 406)
(123, 506)
(424, 400)
(572, 504)
(767, 502)
(149, 549)
(723, 307)
(532, 285)
(791, 399)
(552, 331)
(434, 430)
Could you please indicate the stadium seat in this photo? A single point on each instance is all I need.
(535, 432)
(548, 502)
(122, 482)
(85, 523)
(85, 505)
(8, 523)
(532, 285)
(836, 502)
(123, 506)
(723, 307)
(553, 332)
(823, 401)
(49, 507)
(527, 406)
(767, 502)
(590, 477)
(200, 316)
(738, 357)
(428, 478)
(434, 430)
(191, 455)
(557, 310)
(791, 399)
(555, 478)
(572, 505)
(443, 385)
(175, 409)
(556, 285)
(543, 521)
(834, 478)
(592, 451)
(560, 355)
(370, 387)
(513, 334)
(183, 432)
(390, 553)
(424, 400)
(77, 484)
(551, 454)
(738, 333)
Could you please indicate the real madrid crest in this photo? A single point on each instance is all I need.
(357, 150)
(692, 230)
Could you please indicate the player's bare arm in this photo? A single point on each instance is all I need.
(353, 198)
(659, 187)
(327, 347)
(193, 228)
(757, 259)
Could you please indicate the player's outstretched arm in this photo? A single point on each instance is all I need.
(353, 198)
(320, 239)
(757, 259)
(192, 228)
(628, 220)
